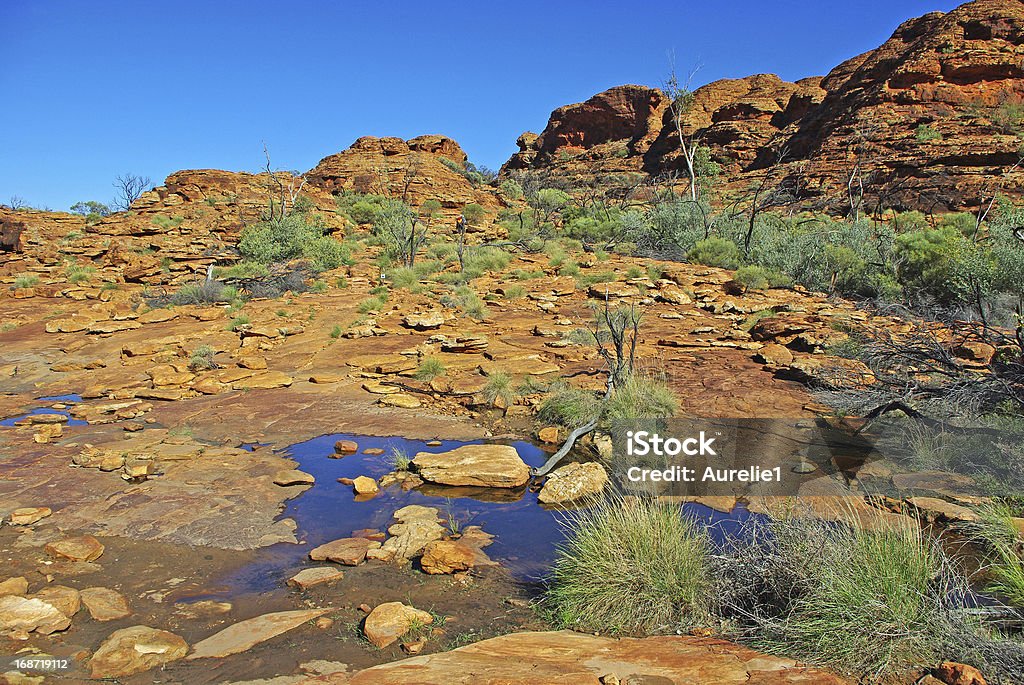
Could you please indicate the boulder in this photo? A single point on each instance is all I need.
(573, 482)
(364, 485)
(346, 446)
(66, 600)
(447, 556)
(390, 621)
(424, 321)
(134, 650)
(491, 466)
(14, 586)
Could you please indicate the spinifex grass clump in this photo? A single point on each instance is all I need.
(632, 566)
(1005, 551)
(871, 600)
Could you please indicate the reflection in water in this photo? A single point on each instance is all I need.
(526, 533)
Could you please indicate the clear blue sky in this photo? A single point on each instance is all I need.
(94, 88)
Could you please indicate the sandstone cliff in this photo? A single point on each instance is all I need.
(932, 119)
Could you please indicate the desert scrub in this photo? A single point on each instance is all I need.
(429, 369)
(873, 600)
(372, 304)
(641, 396)
(632, 566)
(513, 292)
(1004, 548)
(634, 272)
(466, 299)
(752, 277)
(28, 281)
(77, 273)
(201, 359)
(587, 280)
(336, 331)
(499, 389)
(568, 406)
(715, 251)
(238, 322)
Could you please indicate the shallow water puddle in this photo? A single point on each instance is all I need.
(526, 533)
(51, 399)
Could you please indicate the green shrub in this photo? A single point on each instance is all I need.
(514, 292)
(873, 600)
(399, 459)
(715, 251)
(510, 190)
(166, 222)
(466, 299)
(927, 134)
(207, 292)
(372, 304)
(296, 236)
(336, 331)
(201, 359)
(752, 277)
(1004, 551)
(28, 281)
(634, 272)
(429, 369)
(77, 273)
(633, 566)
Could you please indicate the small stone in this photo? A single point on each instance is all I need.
(447, 556)
(346, 447)
(14, 586)
(548, 435)
(324, 623)
(28, 515)
(21, 615)
(414, 646)
(364, 485)
(373, 451)
(310, 577)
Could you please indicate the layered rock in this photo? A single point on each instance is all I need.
(928, 120)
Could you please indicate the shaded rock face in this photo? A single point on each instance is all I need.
(958, 74)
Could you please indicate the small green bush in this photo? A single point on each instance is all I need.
(514, 292)
(26, 281)
(569, 407)
(238, 322)
(372, 304)
(715, 251)
(293, 237)
(336, 331)
(641, 396)
(752, 277)
(927, 134)
(201, 358)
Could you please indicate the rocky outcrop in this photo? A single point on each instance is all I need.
(929, 120)
(419, 169)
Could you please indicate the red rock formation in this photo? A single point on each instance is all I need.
(956, 77)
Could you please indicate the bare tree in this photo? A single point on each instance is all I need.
(284, 186)
(616, 333)
(680, 104)
(128, 188)
(17, 202)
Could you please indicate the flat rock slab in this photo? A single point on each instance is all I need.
(83, 548)
(245, 634)
(309, 577)
(134, 650)
(293, 477)
(104, 604)
(574, 482)
(489, 466)
(568, 657)
(20, 615)
(28, 515)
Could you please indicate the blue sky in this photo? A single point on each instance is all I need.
(95, 88)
